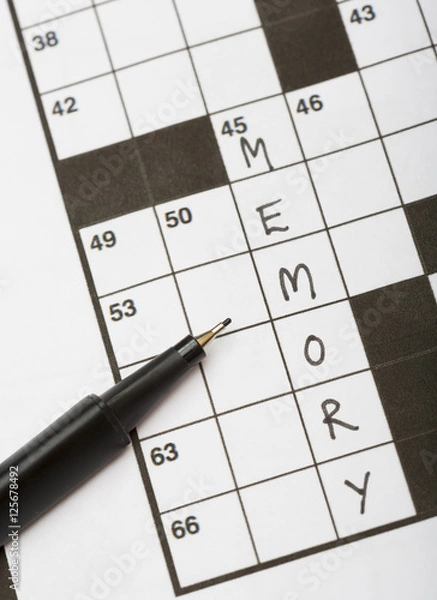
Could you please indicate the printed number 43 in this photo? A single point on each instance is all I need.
(366, 13)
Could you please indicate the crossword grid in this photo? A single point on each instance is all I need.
(235, 489)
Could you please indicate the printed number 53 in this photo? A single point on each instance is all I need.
(119, 310)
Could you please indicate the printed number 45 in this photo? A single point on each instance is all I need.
(236, 126)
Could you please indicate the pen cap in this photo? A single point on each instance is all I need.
(131, 399)
(58, 460)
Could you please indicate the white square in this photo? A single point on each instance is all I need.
(227, 288)
(245, 367)
(354, 183)
(187, 403)
(278, 206)
(403, 91)
(67, 50)
(256, 138)
(413, 156)
(396, 28)
(288, 514)
(386, 499)
(161, 92)
(353, 401)
(136, 30)
(173, 459)
(125, 251)
(201, 228)
(376, 251)
(299, 275)
(321, 344)
(92, 116)
(332, 115)
(433, 281)
(429, 8)
(261, 446)
(37, 11)
(222, 545)
(203, 21)
(144, 320)
(229, 70)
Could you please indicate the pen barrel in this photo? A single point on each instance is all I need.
(134, 397)
(57, 461)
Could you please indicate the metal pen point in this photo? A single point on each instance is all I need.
(91, 434)
(205, 338)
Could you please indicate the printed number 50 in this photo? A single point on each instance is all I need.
(173, 218)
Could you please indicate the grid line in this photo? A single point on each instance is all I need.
(285, 474)
(56, 17)
(231, 469)
(428, 31)
(302, 389)
(102, 33)
(244, 252)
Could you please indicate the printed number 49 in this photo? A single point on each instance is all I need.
(366, 13)
(107, 240)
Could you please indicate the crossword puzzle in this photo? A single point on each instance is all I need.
(275, 162)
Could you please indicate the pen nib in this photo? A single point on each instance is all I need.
(205, 338)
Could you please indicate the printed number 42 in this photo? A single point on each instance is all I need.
(65, 107)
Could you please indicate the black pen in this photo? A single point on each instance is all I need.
(88, 436)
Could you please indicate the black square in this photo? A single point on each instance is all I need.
(422, 217)
(310, 49)
(102, 184)
(181, 160)
(273, 11)
(408, 391)
(396, 321)
(419, 460)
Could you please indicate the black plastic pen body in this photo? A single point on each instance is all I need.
(85, 438)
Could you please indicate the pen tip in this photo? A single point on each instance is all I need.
(207, 337)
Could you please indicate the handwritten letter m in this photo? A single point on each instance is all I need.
(285, 276)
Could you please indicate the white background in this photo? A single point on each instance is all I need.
(51, 355)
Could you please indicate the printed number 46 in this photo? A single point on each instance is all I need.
(314, 103)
